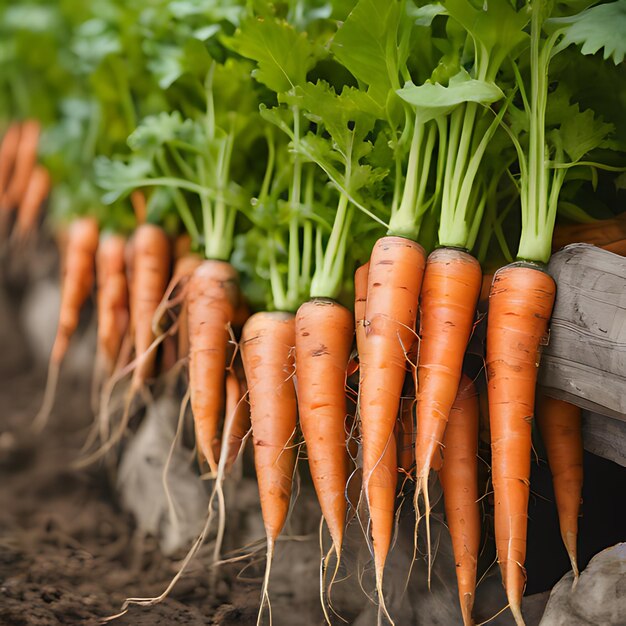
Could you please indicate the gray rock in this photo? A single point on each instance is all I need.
(599, 597)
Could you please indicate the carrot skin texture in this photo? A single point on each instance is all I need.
(8, 152)
(324, 332)
(267, 353)
(459, 480)
(520, 305)
(450, 291)
(77, 282)
(112, 300)
(212, 296)
(560, 424)
(394, 280)
(32, 201)
(151, 267)
(25, 160)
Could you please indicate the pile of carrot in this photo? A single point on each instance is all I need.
(227, 226)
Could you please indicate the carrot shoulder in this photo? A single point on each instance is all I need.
(324, 332)
(520, 305)
(459, 480)
(394, 280)
(561, 430)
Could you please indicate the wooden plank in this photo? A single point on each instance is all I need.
(605, 437)
(585, 359)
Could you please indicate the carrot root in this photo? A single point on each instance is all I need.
(520, 305)
(384, 339)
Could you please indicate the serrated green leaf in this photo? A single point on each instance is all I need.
(367, 44)
(581, 132)
(283, 55)
(602, 27)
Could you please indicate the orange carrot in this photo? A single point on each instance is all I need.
(182, 246)
(77, 281)
(76, 285)
(242, 313)
(140, 207)
(405, 437)
(151, 267)
(32, 201)
(112, 298)
(561, 431)
(520, 305)
(8, 152)
(237, 421)
(324, 332)
(267, 342)
(25, 160)
(394, 281)
(448, 300)
(459, 480)
(212, 297)
(360, 291)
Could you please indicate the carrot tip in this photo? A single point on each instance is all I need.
(517, 614)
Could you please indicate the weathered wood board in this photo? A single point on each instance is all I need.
(585, 359)
(605, 436)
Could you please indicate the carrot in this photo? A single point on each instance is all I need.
(450, 291)
(405, 437)
(324, 332)
(151, 266)
(520, 305)
(360, 291)
(25, 160)
(112, 298)
(394, 280)
(140, 207)
(212, 297)
(8, 152)
(459, 480)
(267, 342)
(237, 412)
(561, 431)
(182, 246)
(30, 206)
(77, 282)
